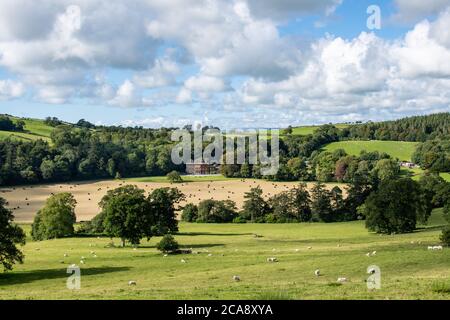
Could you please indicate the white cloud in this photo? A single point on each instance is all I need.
(203, 83)
(184, 96)
(11, 89)
(415, 10)
(127, 96)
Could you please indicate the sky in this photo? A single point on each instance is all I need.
(227, 63)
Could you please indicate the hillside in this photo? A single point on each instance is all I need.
(34, 129)
(397, 149)
(305, 130)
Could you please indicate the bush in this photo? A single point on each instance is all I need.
(190, 213)
(174, 177)
(445, 236)
(167, 244)
(95, 226)
(56, 219)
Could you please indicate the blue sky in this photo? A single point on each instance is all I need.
(233, 64)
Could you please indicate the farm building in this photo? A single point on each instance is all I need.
(202, 168)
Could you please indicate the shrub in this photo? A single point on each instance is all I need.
(167, 244)
(56, 219)
(445, 236)
(190, 213)
(174, 177)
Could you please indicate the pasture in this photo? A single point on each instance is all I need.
(34, 129)
(396, 149)
(408, 269)
(305, 130)
(27, 200)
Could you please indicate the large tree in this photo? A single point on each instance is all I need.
(396, 207)
(127, 214)
(10, 236)
(56, 219)
(255, 207)
(321, 207)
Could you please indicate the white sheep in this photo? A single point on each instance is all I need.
(341, 280)
(371, 271)
(317, 273)
(82, 261)
(374, 253)
(132, 283)
(430, 247)
(437, 247)
(209, 254)
(65, 255)
(236, 278)
(368, 254)
(183, 261)
(272, 259)
(309, 248)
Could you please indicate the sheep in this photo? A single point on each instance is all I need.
(430, 247)
(437, 247)
(236, 278)
(317, 273)
(210, 255)
(342, 279)
(82, 261)
(371, 271)
(309, 248)
(272, 259)
(65, 255)
(368, 254)
(374, 253)
(297, 250)
(92, 252)
(183, 261)
(132, 283)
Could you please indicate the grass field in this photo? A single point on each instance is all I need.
(305, 130)
(416, 173)
(408, 269)
(34, 129)
(397, 149)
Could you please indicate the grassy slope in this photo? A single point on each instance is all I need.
(34, 129)
(408, 269)
(397, 149)
(305, 130)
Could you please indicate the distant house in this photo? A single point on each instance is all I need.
(408, 164)
(202, 168)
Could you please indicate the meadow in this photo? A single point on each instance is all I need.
(396, 149)
(34, 129)
(408, 269)
(305, 130)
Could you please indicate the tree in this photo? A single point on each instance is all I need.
(56, 219)
(174, 177)
(387, 169)
(127, 214)
(395, 207)
(301, 202)
(10, 236)
(321, 208)
(216, 211)
(168, 244)
(190, 213)
(445, 235)
(255, 206)
(162, 203)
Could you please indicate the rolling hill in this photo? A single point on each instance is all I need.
(34, 129)
(397, 149)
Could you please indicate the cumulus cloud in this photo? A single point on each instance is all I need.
(415, 10)
(11, 89)
(127, 96)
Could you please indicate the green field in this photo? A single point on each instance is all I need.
(416, 173)
(305, 130)
(397, 149)
(408, 269)
(34, 129)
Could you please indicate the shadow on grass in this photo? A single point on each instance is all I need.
(188, 246)
(11, 278)
(211, 234)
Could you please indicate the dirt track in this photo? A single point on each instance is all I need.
(26, 201)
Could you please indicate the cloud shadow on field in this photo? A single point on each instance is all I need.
(11, 278)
